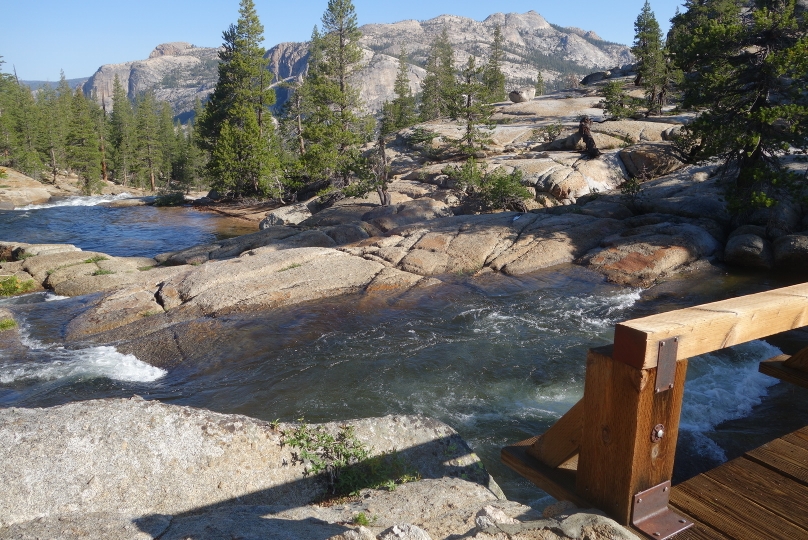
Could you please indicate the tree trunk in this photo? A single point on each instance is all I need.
(584, 130)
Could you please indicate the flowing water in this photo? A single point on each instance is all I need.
(497, 358)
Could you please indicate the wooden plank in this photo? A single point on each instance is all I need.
(777, 367)
(563, 440)
(799, 361)
(779, 455)
(778, 494)
(720, 507)
(558, 482)
(797, 439)
(714, 326)
(618, 457)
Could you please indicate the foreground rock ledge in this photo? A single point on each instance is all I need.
(128, 469)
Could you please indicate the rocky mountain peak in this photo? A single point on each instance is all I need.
(175, 48)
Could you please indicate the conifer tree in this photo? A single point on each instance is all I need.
(26, 125)
(335, 126)
(83, 149)
(235, 127)
(121, 134)
(652, 70)
(493, 77)
(541, 87)
(472, 109)
(6, 124)
(439, 87)
(54, 105)
(747, 69)
(168, 143)
(148, 151)
(400, 112)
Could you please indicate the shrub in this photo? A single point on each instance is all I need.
(11, 285)
(617, 103)
(173, 198)
(7, 324)
(495, 190)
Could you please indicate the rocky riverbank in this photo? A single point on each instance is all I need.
(135, 469)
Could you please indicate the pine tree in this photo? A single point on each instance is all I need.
(747, 68)
(400, 112)
(148, 154)
(493, 77)
(6, 124)
(541, 87)
(26, 124)
(652, 70)
(439, 87)
(334, 126)
(54, 105)
(168, 143)
(238, 112)
(472, 109)
(121, 134)
(83, 149)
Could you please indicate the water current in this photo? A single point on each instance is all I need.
(497, 358)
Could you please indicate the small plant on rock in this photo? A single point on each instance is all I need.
(12, 285)
(491, 190)
(7, 324)
(616, 102)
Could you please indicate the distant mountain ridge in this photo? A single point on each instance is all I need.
(179, 72)
(72, 83)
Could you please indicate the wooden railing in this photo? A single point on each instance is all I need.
(619, 441)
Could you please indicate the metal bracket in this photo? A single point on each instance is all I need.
(666, 364)
(651, 515)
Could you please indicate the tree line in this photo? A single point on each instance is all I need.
(57, 131)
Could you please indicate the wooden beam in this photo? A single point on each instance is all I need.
(798, 361)
(777, 367)
(563, 440)
(618, 456)
(557, 482)
(710, 327)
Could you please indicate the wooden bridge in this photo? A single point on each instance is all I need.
(615, 448)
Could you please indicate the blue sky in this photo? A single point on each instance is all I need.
(40, 37)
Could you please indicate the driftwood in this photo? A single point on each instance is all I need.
(585, 131)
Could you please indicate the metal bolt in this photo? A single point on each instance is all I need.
(657, 534)
(639, 501)
(682, 521)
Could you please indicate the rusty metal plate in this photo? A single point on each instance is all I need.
(651, 515)
(666, 364)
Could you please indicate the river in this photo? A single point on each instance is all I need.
(497, 358)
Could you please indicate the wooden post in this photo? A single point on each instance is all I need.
(619, 456)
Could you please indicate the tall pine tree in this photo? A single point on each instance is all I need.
(121, 134)
(148, 150)
(439, 87)
(400, 112)
(472, 109)
(493, 77)
(652, 69)
(236, 127)
(83, 143)
(746, 67)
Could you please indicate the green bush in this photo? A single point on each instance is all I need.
(344, 460)
(174, 198)
(7, 324)
(617, 103)
(11, 285)
(493, 190)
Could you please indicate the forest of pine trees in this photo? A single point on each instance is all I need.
(741, 62)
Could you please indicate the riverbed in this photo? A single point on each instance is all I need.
(497, 358)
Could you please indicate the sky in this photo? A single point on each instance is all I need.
(41, 37)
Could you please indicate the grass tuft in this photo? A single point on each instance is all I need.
(7, 324)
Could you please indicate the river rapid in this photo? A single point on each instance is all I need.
(497, 358)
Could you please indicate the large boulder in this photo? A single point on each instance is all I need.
(595, 77)
(521, 95)
(390, 217)
(791, 252)
(288, 215)
(749, 250)
(650, 160)
(18, 190)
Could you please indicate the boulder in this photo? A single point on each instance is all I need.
(650, 160)
(638, 256)
(633, 131)
(390, 217)
(17, 190)
(521, 95)
(791, 252)
(595, 77)
(781, 219)
(749, 250)
(288, 215)
(404, 532)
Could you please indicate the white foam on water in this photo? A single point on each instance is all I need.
(55, 362)
(50, 297)
(78, 201)
(722, 386)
